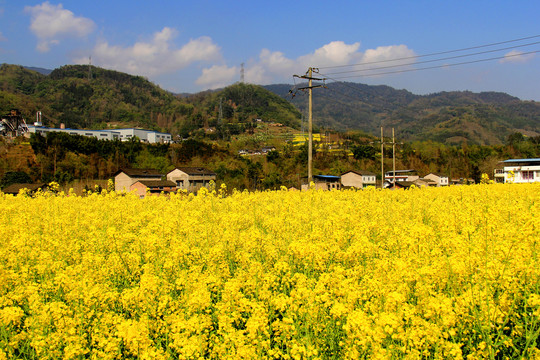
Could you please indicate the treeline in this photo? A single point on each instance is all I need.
(64, 158)
(455, 161)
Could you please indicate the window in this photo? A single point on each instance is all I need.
(527, 175)
(102, 134)
(88, 134)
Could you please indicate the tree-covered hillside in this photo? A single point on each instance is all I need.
(448, 117)
(90, 97)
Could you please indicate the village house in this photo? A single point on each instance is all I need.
(399, 185)
(359, 179)
(267, 149)
(423, 182)
(518, 171)
(191, 178)
(124, 178)
(31, 188)
(441, 180)
(144, 187)
(324, 182)
(401, 175)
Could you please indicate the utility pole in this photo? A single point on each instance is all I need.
(382, 159)
(394, 156)
(310, 87)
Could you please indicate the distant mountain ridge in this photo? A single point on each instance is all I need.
(39, 70)
(448, 117)
(110, 98)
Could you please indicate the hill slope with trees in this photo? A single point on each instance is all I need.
(90, 97)
(448, 117)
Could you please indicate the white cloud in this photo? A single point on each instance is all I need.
(274, 66)
(386, 53)
(334, 53)
(515, 56)
(50, 23)
(154, 57)
(217, 76)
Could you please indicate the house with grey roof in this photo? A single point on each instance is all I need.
(143, 187)
(191, 179)
(14, 189)
(124, 178)
(358, 178)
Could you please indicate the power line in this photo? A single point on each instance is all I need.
(432, 54)
(434, 60)
(432, 67)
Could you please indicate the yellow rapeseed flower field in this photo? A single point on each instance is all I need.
(442, 273)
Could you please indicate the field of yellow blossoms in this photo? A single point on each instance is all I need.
(443, 273)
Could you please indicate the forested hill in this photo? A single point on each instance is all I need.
(91, 97)
(448, 117)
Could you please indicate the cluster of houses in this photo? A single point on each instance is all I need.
(191, 179)
(149, 181)
(402, 179)
(265, 150)
(509, 171)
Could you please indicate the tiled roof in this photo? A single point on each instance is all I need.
(326, 177)
(140, 172)
(14, 188)
(157, 183)
(196, 171)
(360, 172)
(404, 184)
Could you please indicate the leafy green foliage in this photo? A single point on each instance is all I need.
(363, 151)
(14, 177)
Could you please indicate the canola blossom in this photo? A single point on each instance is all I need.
(442, 273)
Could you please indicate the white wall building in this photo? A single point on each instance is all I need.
(401, 175)
(148, 136)
(519, 171)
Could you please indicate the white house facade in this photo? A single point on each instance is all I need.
(519, 171)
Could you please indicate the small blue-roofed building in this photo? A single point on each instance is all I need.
(325, 182)
(518, 171)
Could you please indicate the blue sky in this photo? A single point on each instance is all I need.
(190, 46)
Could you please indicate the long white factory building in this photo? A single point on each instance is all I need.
(148, 136)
